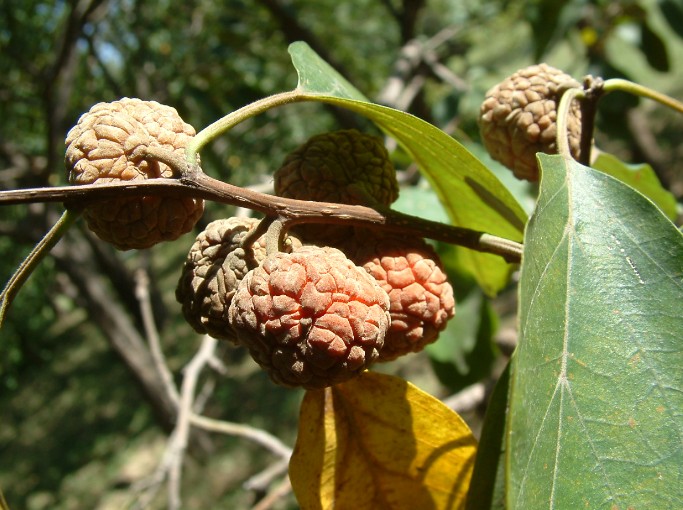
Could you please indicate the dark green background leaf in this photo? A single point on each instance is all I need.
(487, 487)
(654, 48)
(465, 352)
(640, 177)
(472, 196)
(673, 14)
(597, 386)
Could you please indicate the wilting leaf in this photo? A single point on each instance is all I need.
(472, 196)
(597, 387)
(377, 442)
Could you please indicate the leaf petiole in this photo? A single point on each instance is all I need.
(224, 124)
(640, 90)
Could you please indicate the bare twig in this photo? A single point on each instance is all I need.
(259, 436)
(179, 441)
(467, 399)
(284, 488)
(195, 183)
(142, 294)
(260, 481)
(170, 467)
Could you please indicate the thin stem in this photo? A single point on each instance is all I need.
(34, 258)
(274, 237)
(213, 131)
(563, 120)
(639, 90)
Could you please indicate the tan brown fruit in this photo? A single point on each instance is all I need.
(310, 318)
(420, 297)
(518, 118)
(216, 264)
(100, 148)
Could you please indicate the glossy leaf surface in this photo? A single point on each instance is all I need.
(640, 177)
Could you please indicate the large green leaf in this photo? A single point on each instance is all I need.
(472, 196)
(596, 407)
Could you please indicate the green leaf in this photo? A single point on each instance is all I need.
(464, 352)
(597, 387)
(487, 487)
(653, 48)
(640, 177)
(672, 11)
(472, 196)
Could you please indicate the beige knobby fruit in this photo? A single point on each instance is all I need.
(519, 115)
(344, 167)
(104, 147)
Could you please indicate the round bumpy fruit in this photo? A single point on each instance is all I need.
(518, 118)
(101, 148)
(324, 168)
(215, 265)
(420, 296)
(310, 318)
(345, 167)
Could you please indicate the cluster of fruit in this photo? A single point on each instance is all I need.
(335, 299)
(332, 299)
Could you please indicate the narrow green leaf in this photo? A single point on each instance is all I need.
(653, 47)
(595, 418)
(487, 487)
(640, 177)
(472, 196)
(464, 352)
(672, 11)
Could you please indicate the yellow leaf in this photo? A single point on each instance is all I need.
(377, 442)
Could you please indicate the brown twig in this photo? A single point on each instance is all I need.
(142, 294)
(195, 183)
(593, 88)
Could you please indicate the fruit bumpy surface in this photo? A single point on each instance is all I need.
(101, 148)
(420, 296)
(310, 318)
(215, 265)
(345, 167)
(519, 115)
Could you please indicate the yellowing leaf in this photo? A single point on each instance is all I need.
(377, 442)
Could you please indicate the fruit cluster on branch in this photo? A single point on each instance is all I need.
(336, 298)
(319, 305)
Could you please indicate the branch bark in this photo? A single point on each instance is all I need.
(195, 183)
